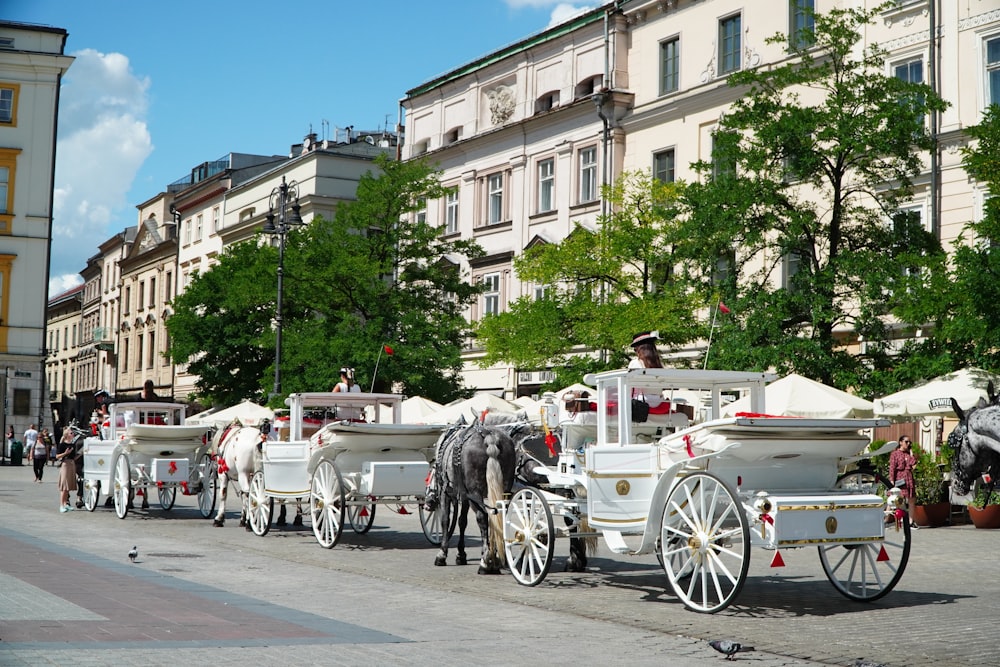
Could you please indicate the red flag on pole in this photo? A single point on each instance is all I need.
(388, 350)
(723, 308)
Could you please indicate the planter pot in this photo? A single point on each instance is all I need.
(987, 517)
(932, 515)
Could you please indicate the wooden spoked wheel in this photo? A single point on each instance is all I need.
(260, 506)
(704, 542)
(528, 536)
(122, 481)
(326, 504)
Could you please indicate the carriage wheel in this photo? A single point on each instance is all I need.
(433, 522)
(167, 495)
(326, 504)
(361, 517)
(206, 480)
(260, 506)
(91, 492)
(528, 536)
(122, 490)
(705, 542)
(867, 571)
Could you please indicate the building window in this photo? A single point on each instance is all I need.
(451, 213)
(127, 301)
(588, 86)
(167, 285)
(723, 272)
(729, 44)
(670, 59)
(151, 351)
(22, 402)
(801, 23)
(993, 71)
(793, 261)
(724, 154)
(663, 166)
(494, 185)
(141, 295)
(138, 352)
(421, 213)
(152, 292)
(215, 220)
(541, 292)
(546, 185)
(453, 135)
(187, 231)
(8, 103)
(8, 170)
(198, 228)
(547, 102)
(491, 294)
(911, 71)
(588, 174)
(125, 354)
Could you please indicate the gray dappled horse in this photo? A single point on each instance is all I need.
(474, 467)
(976, 442)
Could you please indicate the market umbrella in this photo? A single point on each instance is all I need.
(247, 412)
(798, 396)
(413, 410)
(933, 398)
(471, 408)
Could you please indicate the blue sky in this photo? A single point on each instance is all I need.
(160, 87)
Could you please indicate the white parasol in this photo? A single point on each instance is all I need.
(933, 398)
(798, 396)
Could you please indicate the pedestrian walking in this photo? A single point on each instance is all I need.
(36, 451)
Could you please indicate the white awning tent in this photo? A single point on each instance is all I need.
(933, 398)
(471, 408)
(413, 410)
(248, 412)
(798, 396)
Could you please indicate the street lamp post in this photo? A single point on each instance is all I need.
(282, 216)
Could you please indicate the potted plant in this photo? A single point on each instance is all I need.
(931, 506)
(984, 510)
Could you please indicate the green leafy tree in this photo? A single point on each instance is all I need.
(370, 281)
(969, 328)
(796, 220)
(601, 287)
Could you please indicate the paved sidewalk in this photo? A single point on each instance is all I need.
(69, 596)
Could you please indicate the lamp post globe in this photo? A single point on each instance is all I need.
(282, 216)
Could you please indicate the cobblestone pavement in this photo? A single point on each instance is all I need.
(70, 596)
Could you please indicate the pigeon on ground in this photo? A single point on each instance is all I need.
(729, 648)
(132, 555)
(861, 662)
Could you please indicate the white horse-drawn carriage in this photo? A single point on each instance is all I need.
(360, 456)
(146, 445)
(701, 496)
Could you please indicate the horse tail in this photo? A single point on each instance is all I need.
(590, 543)
(494, 490)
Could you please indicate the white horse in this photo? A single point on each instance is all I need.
(238, 457)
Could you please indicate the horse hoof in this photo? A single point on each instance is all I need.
(219, 523)
(461, 560)
(297, 521)
(243, 523)
(280, 522)
(440, 561)
(487, 570)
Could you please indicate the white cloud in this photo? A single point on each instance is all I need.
(561, 11)
(565, 11)
(103, 141)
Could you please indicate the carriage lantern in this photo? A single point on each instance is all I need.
(282, 216)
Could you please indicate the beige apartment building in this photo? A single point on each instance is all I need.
(527, 132)
(32, 64)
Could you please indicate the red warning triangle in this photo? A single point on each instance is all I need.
(402, 510)
(777, 561)
(363, 512)
(882, 555)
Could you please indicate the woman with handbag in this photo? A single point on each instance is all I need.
(66, 455)
(901, 464)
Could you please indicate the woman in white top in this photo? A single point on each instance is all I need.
(347, 383)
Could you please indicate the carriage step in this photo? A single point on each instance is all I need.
(616, 542)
